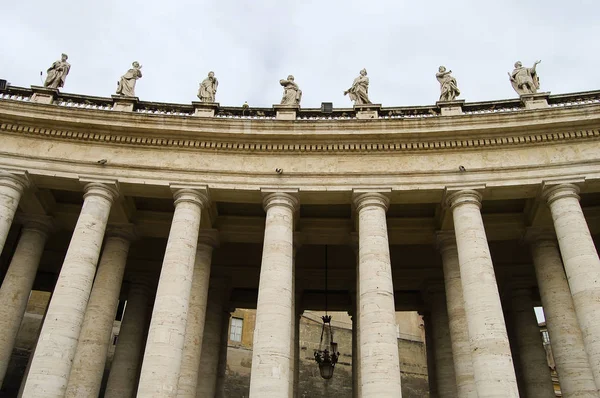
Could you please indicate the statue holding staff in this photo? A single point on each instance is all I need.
(359, 92)
(291, 92)
(208, 88)
(126, 85)
(448, 87)
(57, 73)
(525, 80)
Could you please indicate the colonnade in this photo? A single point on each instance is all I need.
(471, 347)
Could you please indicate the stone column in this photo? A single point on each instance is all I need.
(17, 284)
(354, 319)
(164, 347)
(537, 381)
(12, 185)
(582, 265)
(211, 341)
(444, 363)
(572, 365)
(459, 335)
(56, 347)
(188, 378)
(298, 318)
(222, 366)
(493, 368)
(431, 365)
(379, 362)
(90, 358)
(123, 377)
(272, 351)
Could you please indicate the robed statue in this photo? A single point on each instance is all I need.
(126, 85)
(525, 80)
(359, 92)
(208, 88)
(57, 73)
(291, 92)
(448, 87)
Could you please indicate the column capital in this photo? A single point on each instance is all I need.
(540, 236)
(445, 240)
(460, 196)
(108, 190)
(16, 179)
(376, 197)
(552, 192)
(198, 195)
(286, 198)
(39, 223)
(208, 237)
(123, 231)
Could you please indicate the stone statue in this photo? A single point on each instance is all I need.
(359, 92)
(57, 73)
(525, 80)
(291, 92)
(448, 87)
(208, 88)
(126, 85)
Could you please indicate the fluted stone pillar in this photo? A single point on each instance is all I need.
(188, 378)
(90, 357)
(379, 362)
(222, 366)
(164, 347)
(126, 363)
(581, 262)
(17, 284)
(444, 363)
(211, 341)
(12, 185)
(537, 381)
(272, 351)
(459, 335)
(56, 347)
(572, 365)
(493, 368)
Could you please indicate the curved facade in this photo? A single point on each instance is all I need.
(469, 213)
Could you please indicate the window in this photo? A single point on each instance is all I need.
(235, 331)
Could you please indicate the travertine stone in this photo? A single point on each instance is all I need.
(208, 88)
(57, 73)
(56, 347)
(188, 378)
(211, 341)
(124, 104)
(431, 371)
(222, 366)
(43, 95)
(535, 101)
(492, 362)
(581, 262)
(367, 111)
(205, 109)
(359, 91)
(90, 357)
(17, 284)
(459, 335)
(448, 87)
(292, 95)
(379, 362)
(537, 381)
(272, 351)
(286, 112)
(164, 348)
(126, 85)
(572, 365)
(450, 108)
(12, 185)
(525, 80)
(126, 362)
(444, 363)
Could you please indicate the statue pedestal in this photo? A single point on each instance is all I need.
(43, 95)
(367, 111)
(286, 112)
(205, 109)
(535, 101)
(124, 104)
(450, 108)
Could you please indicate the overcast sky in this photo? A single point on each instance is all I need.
(251, 44)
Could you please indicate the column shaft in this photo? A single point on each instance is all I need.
(164, 348)
(17, 284)
(90, 358)
(493, 368)
(272, 351)
(222, 366)
(122, 380)
(379, 362)
(56, 347)
(582, 265)
(12, 186)
(431, 368)
(459, 334)
(188, 378)
(572, 365)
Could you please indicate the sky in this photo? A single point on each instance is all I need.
(252, 44)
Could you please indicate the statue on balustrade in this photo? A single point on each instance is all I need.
(208, 88)
(291, 92)
(359, 92)
(57, 73)
(525, 80)
(126, 85)
(448, 87)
